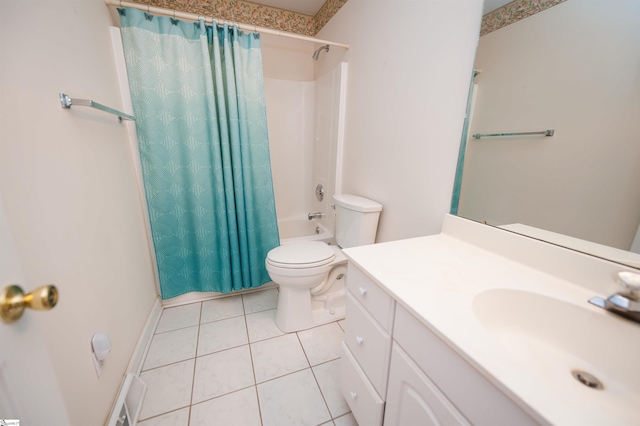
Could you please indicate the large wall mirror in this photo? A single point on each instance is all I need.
(573, 68)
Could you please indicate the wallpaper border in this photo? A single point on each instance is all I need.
(514, 12)
(255, 14)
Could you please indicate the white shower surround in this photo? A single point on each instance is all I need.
(306, 131)
(292, 230)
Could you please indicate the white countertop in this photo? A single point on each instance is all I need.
(439, 277)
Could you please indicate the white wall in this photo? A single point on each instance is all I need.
(70, 193)
(286, 58)
(409, 68)
(574, 68)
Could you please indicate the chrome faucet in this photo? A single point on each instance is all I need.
(315, 215)
(626, 302)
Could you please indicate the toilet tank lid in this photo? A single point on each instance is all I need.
(354, 202)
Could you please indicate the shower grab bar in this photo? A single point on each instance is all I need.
(66, 102)
(543, 132)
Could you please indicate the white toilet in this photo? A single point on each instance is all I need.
(311, 273)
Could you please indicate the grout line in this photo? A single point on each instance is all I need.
(249, 344)
(322, 394)
(326, 362)
(222, 350)
(151, 369)
(222, 319)
(343, 415)
(253, 367)
(261, 309)
(221, 395)
(284, 375)
(237, 346)
(303, 350)
(162, 414)
(195, 362)
(211, 353)
(167, 365)
(313, 373)
(176, 329)
(255, 387)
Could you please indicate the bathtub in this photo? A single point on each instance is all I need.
(302, 230)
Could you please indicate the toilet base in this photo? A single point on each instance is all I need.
(300, 311)
(323, 316)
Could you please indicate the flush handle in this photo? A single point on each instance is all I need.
(13, 301)
(363, 291)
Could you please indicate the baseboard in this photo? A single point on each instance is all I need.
(135, 362)
(139, 353)
(194, 297)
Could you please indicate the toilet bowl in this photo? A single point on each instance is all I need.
(311, 274)
(303, 270)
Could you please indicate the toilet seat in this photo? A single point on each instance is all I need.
(301, 255)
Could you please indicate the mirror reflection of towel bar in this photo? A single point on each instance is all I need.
(485, 135)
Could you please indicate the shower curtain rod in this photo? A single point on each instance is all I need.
(194, 17)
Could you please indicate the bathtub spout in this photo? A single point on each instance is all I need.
(315, 215)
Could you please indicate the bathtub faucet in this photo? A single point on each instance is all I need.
(316, 215)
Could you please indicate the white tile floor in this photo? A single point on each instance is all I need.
(225, 362)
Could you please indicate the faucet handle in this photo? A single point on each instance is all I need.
(630, 283)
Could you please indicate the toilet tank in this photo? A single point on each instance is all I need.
(356, 220)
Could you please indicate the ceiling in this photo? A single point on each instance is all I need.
(307, 7)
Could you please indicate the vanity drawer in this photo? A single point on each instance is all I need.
(365, 403)
(375, 300)
(477, 399)
(369, 344)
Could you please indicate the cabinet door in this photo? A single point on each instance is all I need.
(412, 399)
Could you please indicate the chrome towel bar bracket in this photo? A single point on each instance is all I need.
(66, 102)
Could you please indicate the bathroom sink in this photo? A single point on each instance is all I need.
(549, 339)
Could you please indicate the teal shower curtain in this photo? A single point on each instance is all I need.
(198, 98)
(457, 183)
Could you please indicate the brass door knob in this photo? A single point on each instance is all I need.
(13, 301)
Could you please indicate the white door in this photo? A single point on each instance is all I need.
(28, 387)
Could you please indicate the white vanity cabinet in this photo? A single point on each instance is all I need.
(366, 347)
(395, 371)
